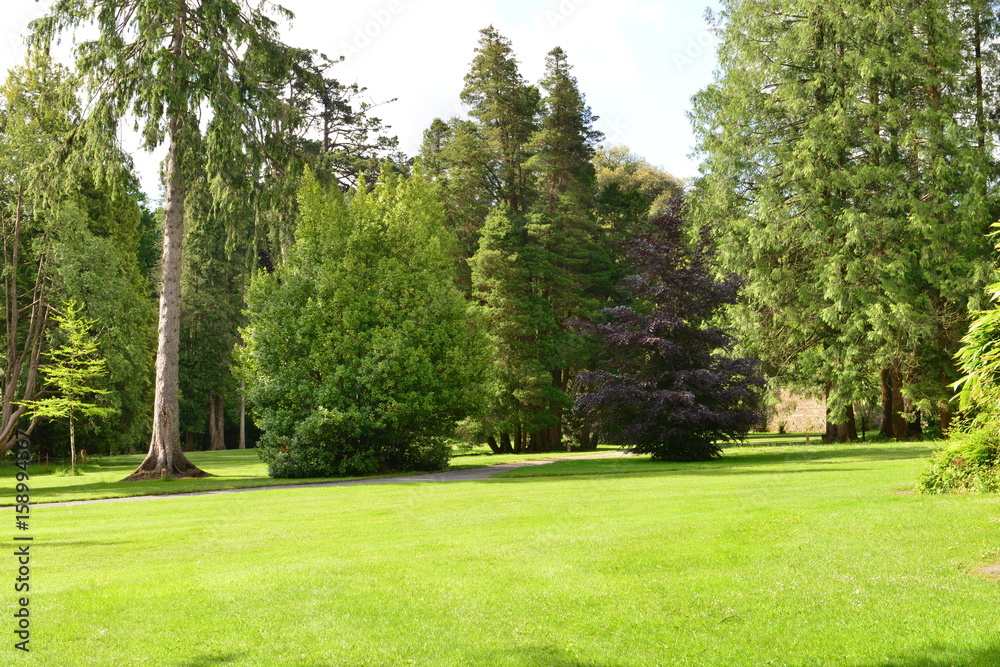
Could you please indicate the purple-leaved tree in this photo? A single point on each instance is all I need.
(666, 386)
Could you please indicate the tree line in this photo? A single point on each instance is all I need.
(515, 283)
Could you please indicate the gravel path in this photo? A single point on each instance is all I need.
(468, 475)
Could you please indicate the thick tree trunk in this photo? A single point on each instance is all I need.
(555, 437)
(492, 442)
(847, 431)
(945, 416)
(165, 457)
(216, 423)
(886, 429)
(505, 447)
(831, 429)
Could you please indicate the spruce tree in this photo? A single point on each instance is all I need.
(166, 61)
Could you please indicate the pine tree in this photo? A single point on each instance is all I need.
(511, 273)
(72, 368)
(505, 107)
(68, 237)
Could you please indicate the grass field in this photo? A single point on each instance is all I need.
(234, 469)
(779, 555)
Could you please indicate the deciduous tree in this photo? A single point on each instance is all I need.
(667, 385)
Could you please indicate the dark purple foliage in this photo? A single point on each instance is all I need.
(666, 386)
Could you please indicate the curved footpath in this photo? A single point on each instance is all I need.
(467, 475)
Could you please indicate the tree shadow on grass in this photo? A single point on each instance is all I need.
(551, 656)
(877, 452)
(209, 660)
(536, 474)
(750, 463)
(937, 655)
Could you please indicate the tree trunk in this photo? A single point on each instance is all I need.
(492, 442)
(165, 457)
(831, 429)
(886, 429)
(243, 415)
(945, 420)
(26, 351)
(72, 444)
(519, 441)
(505, 447)
(216, 423)
(900, 427)
(847, 431)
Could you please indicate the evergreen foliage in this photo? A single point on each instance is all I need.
(847, 164)
(70, 373)
(360, 356)
(69, 238)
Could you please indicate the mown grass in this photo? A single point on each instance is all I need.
(233, 469)
(787, 556)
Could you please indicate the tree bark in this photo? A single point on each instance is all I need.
(900, 427)
(26, 351)
(165, 457)
(505, 447)
(243, 415)
(945, 420)
(847, 431)
(492, 442)
(72, 444)
(216, 423)
(886, 429)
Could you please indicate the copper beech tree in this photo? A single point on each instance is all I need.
(667, 385)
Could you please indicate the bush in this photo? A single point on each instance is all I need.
(970, 464)
(360, 355)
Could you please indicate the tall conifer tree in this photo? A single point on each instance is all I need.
(165, 61)
(846, 166)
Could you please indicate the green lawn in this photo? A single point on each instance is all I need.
(234, 469)
(777, 555)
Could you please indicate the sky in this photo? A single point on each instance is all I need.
(638, 62)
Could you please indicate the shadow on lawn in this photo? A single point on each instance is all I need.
(635, 471)
(938, 655)
(551, 656)
(733, 463)
(209, 660)
(879, 452)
